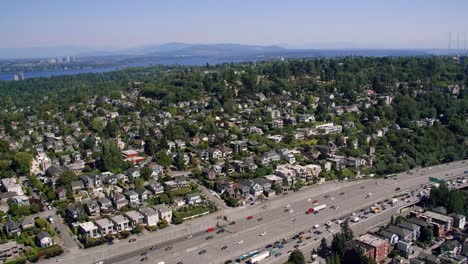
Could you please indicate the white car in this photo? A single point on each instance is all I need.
(332, 198)
(287, 206)
(263, 233)
(309, 200)
(240, 242)
(290, 211)
(189, 236)
(316, 226)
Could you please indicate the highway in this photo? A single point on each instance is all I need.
(269, 217)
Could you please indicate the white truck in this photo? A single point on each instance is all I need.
(259, 257)
(355, 219)
(320, 207)
(394, 201)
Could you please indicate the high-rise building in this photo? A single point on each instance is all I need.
(21, 76)
(15, 77)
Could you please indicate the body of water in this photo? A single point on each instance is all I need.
(189, 61)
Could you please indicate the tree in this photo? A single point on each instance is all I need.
(426, 235)
(146, 173)
(139, 183)
(456, 203)
(338, 245)
(323, 249)
(296, 257)
(97, 124)
(355, 256)
(163, 159)
(334, 259)
(346, 231)
(65, 179)
(22, 163)
(111, 156)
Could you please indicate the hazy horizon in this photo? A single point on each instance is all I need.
(295, 24)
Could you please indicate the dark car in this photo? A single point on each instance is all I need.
(144, 259)
(362, 187)
(260, 219)
(232, 223)
(110, 243)
(296, 246)
(168, 248)
(220, 231)
(278, 254)
(269, 246)
(132, 240)
(154, 247)
(144, 253)
(223, 248)
(180, 262)
(341, 193)
(209, 237)
(202, 252)
(228, 261)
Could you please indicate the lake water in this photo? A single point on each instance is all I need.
(189, 61)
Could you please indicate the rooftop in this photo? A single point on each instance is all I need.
(371, 240)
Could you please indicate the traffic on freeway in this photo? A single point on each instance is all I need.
(284, 223)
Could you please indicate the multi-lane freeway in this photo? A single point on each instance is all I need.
(270, 222)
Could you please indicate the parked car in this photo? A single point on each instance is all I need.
(132, 240)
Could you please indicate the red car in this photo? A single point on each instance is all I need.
(211, 229)
(249, 217)
(311, 210)
(132, 240)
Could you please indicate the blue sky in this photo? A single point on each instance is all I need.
(296, 23)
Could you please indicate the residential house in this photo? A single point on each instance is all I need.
(415, 229)
(44, 239)
(120, 201)
(193, 198)
(374, 247)
(402, 233)
(133, 172)
(10, 250)
(214, 153)
(92, 208)
(135, 218)
(164, 212)
(132, 197)
(61, 193)
(77, 186)
(105, 205)
(12, 228)
(452, 247)
(10, 185)
(270, 156)
(226, 152)
(444, 220)
(143, 194)
(150, 216)
(105, 226)
(287, 155)
(389, 236)
(27, 222)
(155, 187)
(459, 220)
(88, 229)
(405, 247)
(121, 223)
(264, 183)
(72, 212)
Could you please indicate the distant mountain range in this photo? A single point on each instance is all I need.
(205, 50)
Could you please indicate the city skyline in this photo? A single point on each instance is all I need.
(297, 24)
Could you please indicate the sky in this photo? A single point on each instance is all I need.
(118, 24)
